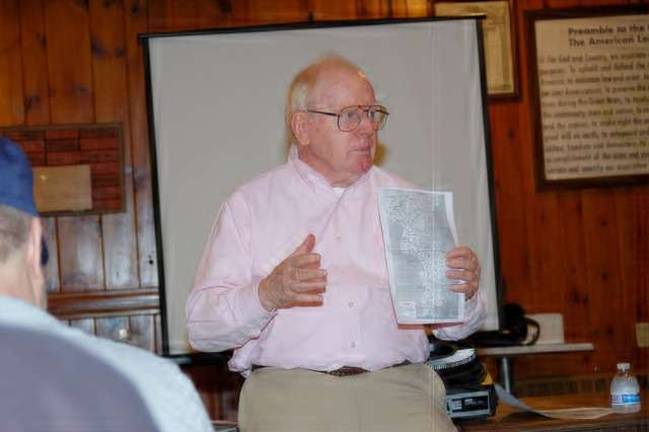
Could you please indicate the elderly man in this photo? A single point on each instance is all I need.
(294, 278)
(58, 378)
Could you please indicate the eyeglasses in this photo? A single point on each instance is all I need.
(349, 118)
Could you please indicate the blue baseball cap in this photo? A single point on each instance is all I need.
(17, 182)
(16, 179)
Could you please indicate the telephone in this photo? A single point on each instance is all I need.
(514, 332)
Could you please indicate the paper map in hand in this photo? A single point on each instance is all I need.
(418, 231)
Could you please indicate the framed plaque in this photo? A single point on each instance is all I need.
(590, 96)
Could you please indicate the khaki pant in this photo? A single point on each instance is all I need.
(405, 398)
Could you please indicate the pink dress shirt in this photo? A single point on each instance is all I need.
(261, 224)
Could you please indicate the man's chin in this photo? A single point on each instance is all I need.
(364, 165)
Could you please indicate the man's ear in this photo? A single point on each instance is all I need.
(300, 128)
(34, 266)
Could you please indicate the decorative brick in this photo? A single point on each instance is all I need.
(32, 146)
(62, 145)
(99, 156)
(62, 134)
(63, 158)
(100, 143)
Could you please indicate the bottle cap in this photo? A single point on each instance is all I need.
(624, 366)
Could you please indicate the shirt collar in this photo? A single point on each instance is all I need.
(20, 313)
(317, 181)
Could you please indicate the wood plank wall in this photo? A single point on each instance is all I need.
(583, 253)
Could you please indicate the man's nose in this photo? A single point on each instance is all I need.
(366, 126)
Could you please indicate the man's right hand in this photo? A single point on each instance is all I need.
(298, 280)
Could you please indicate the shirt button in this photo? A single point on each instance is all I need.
(339, 236)
(350, 304)
(353, 344)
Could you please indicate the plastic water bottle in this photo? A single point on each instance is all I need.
(625, 391)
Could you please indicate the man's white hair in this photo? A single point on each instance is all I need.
(14, 228)
(301, 88)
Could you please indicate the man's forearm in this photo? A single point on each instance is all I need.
(222, 318)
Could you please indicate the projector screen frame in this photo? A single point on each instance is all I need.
(200, 358)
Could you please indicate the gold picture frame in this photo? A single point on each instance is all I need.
(499, 42)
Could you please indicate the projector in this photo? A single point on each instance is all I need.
(471, 403)
(470, 393)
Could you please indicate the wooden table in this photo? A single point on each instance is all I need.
(508, 419)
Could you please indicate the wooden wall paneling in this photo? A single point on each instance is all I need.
(68, 58)
(136, 21)
(11, 74)
(633, 237)
(515, 184)
(212, 13)
(576, 302)
(506, 144)
(80, 253)
(533, 213)
(371, 9)
(107, 29)
(270, 11)
(325, 10)
(142, 331)
(196, 14)
(108, 45)
(104, 303)
(633, 214)
(547, 255)
(520, 208)
(70, 80)
(410, 8)
(52, 282)
(37, 108)
(182, 14)
(158, 12)
(603, 272)
(114, 328)
(120, 239)
(642, 269)
(572, 301)
(547, 278)
(577, 256)
(85, 324)
(553, 365)
(34, 57)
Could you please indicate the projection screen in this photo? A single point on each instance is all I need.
(216, 103)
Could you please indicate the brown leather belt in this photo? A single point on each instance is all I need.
(343, 371)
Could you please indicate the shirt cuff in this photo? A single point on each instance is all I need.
(251, 307)
(470, 305)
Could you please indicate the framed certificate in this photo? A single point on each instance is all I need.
(498, 31)
(589, 71)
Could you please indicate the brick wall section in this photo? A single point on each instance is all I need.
(97, 146)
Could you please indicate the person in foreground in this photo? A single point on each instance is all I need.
(58, 378)
(294, 278)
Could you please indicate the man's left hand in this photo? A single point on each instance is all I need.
(463, 266)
